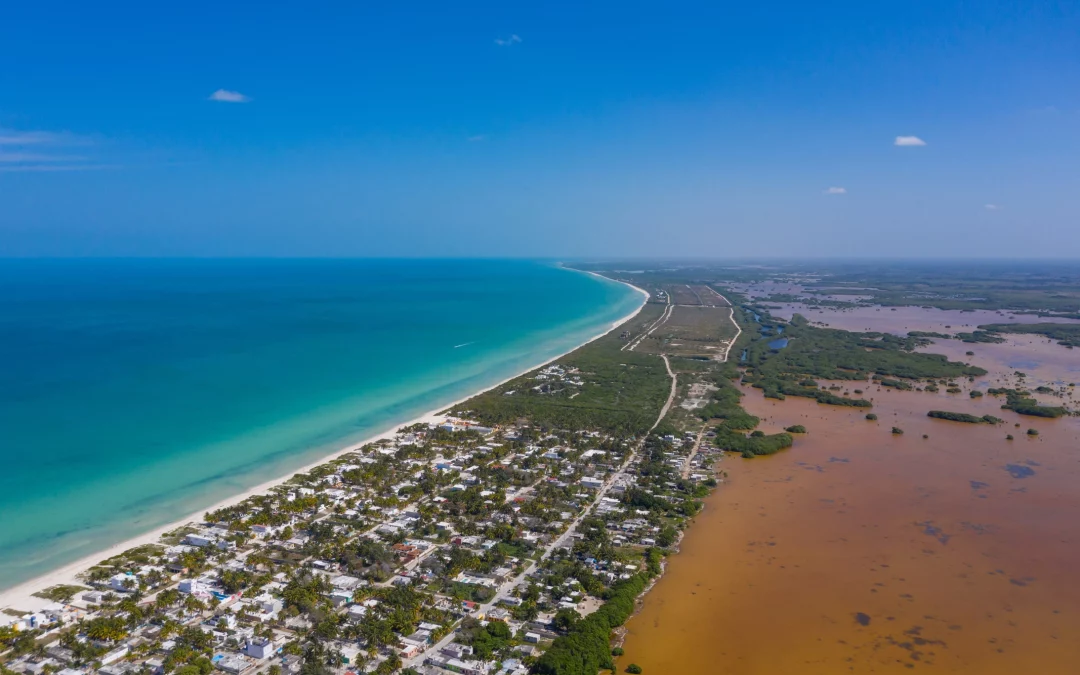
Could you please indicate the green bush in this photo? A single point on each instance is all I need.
(584, 649)
(1019, 401)
(833, 354)
(633, 668)
(750, 446)
(962, 417)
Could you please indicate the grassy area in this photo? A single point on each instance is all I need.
(696, 332)
(843, 355)
(61, 592)
(709, 297)
(682, 294)
(619, 391)
(1066, 334)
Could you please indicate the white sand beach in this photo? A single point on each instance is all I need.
(22, 598)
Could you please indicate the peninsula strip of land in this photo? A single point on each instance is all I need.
(511, 535)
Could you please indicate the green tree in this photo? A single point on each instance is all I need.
(668, 535)
(565, 619)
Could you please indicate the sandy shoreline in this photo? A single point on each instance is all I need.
(21, 597)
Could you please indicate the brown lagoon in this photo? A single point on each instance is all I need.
(863, 551)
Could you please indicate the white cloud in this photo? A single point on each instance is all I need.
(506, 42)
(25, 157)
(226, 96)
(22, 151)
(38, 168)
(992, 207)
(836, 191)
(909, 141)
(11, 137)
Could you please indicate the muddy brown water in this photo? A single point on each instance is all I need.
(860, 551)
(900, 320)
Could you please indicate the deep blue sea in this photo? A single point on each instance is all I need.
(135, 392)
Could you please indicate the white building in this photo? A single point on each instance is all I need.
(260, 648)
(123, 582)
(592, 483)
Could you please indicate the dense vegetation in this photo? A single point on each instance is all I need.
(840, 355)
(1067, 334)
(843, 355)
(963, 417)
(724, 403)
(1019, 401)
(751, 445)
(585, 649)
(895, 384)
(1039, 288)
(781, 388)
(731, 432)
(621, 393)
(980, 336)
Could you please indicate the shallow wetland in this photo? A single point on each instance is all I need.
(863, 551)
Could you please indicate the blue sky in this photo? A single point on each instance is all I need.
(540, 129)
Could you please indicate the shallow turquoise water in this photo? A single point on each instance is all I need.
(135, 392)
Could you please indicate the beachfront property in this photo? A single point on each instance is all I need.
(419, 548)
(455, 545)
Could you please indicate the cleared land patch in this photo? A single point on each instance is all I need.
(709, 297)
(682, 294)
(693, 332)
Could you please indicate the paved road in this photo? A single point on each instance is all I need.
(693, 453)
(505, 588)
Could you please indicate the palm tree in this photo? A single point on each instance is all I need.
(167, 598)
(193, 604)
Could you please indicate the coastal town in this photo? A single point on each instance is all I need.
(517, 531)
(456, 546)
(452, 548)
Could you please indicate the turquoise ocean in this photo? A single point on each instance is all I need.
(135, 392)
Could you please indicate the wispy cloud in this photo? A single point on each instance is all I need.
(23, 151)
(11, 137)
(836, 191)
(477, 138)
(909, 141)
(506, 42)
(39, 168)
(12, 157)
(992, 207)
(226, 96)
